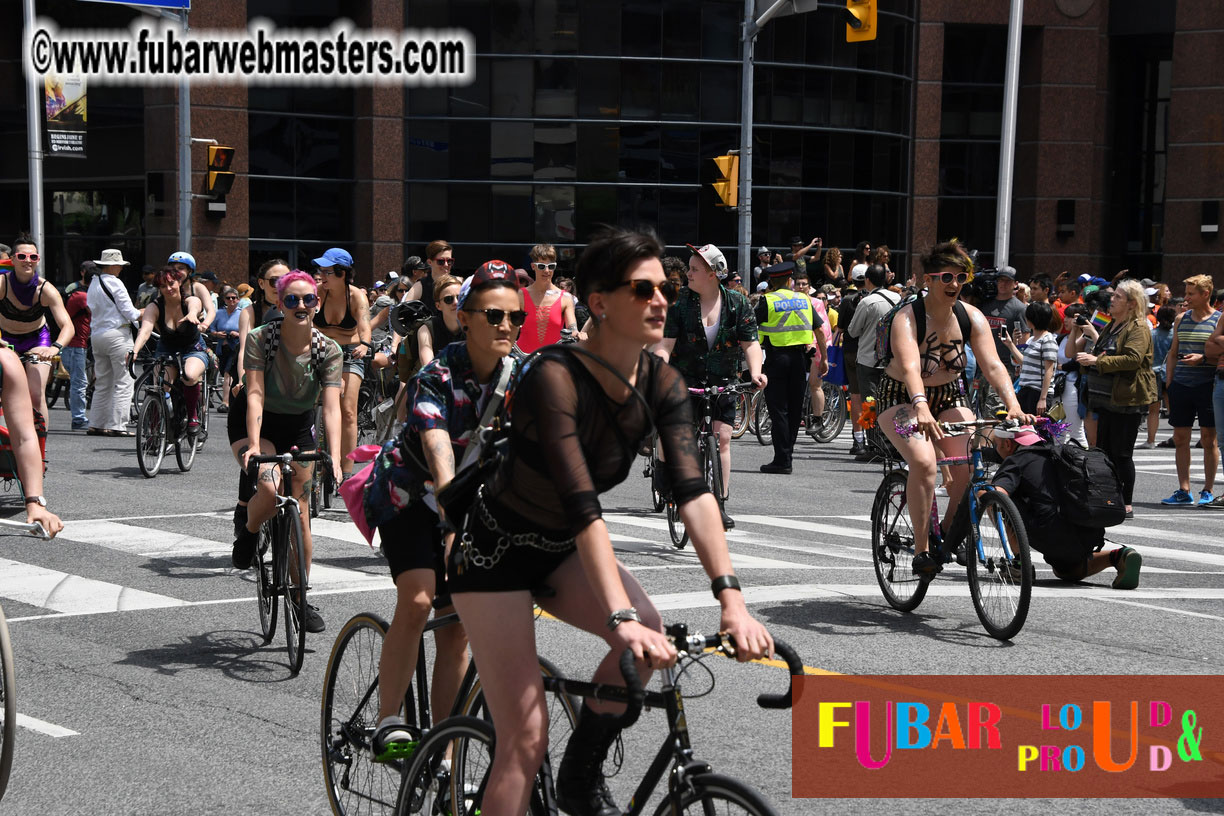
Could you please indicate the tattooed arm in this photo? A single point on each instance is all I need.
(439, 455)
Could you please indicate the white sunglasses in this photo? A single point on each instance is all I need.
(549, 266)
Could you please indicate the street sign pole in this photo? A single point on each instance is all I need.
(184, 146)
(34, 116)
(745, 150)
(1007, 147)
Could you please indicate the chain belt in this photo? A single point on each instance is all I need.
(505, 539)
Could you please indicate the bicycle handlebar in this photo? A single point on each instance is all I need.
(716, 390)
(33, 528)
(293, 455)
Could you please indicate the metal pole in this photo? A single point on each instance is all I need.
(745, 150)
(184, 160)
(34, 116)
(1007, 148)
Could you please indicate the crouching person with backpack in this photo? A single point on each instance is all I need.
(1048, 483)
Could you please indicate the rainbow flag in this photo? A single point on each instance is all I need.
(1100, 319)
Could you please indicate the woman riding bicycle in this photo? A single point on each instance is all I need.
(344, 316)
(923, 385)
(442, 416)
(444, 328)
(27, 454)
(176, 320)
(537, 522)
(288, 366)
(25, 302)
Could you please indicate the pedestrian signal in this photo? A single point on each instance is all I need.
(862, 24)
(220, 179)
(727, 185)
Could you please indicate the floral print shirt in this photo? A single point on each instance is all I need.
(700, 363)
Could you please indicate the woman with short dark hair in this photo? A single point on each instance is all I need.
(1038, 359)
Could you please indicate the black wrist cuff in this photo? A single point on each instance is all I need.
(724, 582)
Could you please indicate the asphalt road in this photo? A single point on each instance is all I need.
(144, 687)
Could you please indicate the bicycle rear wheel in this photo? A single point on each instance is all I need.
(835, 414)
(1000, 567)
(892, 545)
(657, 501)
(265, 580)
(763, 425)
(151, 437)
(713, 468)
(675, 527)
(323, 473)
(356, 785)
(431, 787)
(293, 559)
(185, 444)
(711, 793)
(8, 700)
(562, 707)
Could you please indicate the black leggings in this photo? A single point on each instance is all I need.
(1116, 435)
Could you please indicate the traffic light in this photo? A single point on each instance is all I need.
(220, 179)
(862, 24)
(727, 185)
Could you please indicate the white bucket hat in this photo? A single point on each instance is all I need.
(112, 257)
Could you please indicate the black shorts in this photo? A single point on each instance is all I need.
(285, 431)
(413, 540)
(724, 408)
(1188, 401)
(489, 560)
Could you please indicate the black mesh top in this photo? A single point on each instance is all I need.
(570, 441)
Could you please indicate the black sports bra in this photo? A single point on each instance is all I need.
(19, 314)
(349, 322)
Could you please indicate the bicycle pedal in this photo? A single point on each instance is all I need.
(397, 751)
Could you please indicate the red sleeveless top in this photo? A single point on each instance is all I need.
(543, 326)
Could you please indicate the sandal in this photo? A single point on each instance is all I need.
(95, 432)
(120, 433)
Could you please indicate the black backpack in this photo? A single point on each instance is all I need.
(1089, 490)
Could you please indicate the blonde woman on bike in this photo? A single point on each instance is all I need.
(923, 385)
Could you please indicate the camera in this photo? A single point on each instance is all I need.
(1081, 320)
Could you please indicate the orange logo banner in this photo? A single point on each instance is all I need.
(1008, 736)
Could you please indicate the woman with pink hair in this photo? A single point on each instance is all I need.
(288, 364)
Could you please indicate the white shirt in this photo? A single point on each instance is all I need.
(105, 315)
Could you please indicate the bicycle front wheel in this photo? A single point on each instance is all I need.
(185, 445)
(265, 581)
(151, 436)
(293, 560)
(675, 526)
(8, 699)
(356, 785)
(562, 707)
(1000, 567)
(713, 468)
(743, 414)
(711, 793)
(833, 420)
(430, 786)
(892, 545)
(763, 424)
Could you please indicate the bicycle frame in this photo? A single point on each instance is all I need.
(969, 502)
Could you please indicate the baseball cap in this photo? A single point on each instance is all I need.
(858, 272)
(778, 270)
(1148, 282)
(415, 262)
(1084, 278)
(207, 275)
(713, 256)
(1007, 272)
(1150, 291)
(762, 286)
(796, 240)
(379, 285)
(1021, 434)
(334, 257)
(488, 271)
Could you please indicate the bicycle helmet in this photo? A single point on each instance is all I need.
(183, 258)
(407, 317)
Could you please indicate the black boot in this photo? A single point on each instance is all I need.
(581, 790)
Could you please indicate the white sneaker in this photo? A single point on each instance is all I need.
(1146, 445)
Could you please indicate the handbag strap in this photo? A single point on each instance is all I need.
(490, 411)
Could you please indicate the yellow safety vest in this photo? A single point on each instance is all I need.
(789, 319)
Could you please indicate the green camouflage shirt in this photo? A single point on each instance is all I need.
(697, 361)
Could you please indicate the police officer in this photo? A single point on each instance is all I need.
(786, 321)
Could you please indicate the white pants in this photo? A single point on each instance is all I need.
(112, 401)
(1070, 403)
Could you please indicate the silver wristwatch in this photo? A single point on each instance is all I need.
(621, 615)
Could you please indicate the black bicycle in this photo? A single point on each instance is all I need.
(356, 782)
(162, 422)
(323, 482)
(708, 455)
(432, 786)
(280, 557)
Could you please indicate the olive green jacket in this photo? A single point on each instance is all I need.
(1134, 382)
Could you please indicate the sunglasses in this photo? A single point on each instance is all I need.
(444, 261)
(272, 281)
(949, 277)
(496, 316)
(27, 256)
(644, 290)
(449, 299)
(542, 266)
(293, 301)
(231, 297)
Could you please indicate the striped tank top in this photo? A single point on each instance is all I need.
(1191, 338)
